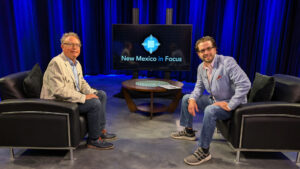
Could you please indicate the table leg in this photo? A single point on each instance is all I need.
(172, 107)
(131, 105)
(151, 105)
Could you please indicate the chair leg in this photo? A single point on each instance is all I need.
(298, 158)
(237, 157)
(71, 155)
(12, 155)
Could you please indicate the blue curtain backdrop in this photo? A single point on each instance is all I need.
(263, 36)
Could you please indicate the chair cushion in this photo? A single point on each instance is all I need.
(262, 88)
(33, 82)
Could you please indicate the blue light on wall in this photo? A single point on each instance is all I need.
(274, 23)
(228, 28)
(263, 36)
(26, 33)
(56, 26)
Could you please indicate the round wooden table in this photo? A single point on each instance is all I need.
(135, 85)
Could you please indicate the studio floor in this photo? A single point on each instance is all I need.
(142, 143)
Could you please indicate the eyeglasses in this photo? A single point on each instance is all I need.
(73, 44)
(203, 50)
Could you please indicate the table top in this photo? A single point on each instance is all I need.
(141, 84)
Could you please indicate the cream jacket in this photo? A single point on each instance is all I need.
(59, 82)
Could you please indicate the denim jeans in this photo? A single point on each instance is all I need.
(211, 114)
(95, 110)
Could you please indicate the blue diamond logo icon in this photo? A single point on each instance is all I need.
(150, 44)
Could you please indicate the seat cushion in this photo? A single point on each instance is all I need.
(262, 88)
(33, 82)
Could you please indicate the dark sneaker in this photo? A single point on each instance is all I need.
(198, 157)
(183, 135)
(107, 136)
(100, 144)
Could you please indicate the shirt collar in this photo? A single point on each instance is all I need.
(211, 64)
(70, 61)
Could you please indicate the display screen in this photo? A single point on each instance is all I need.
(151, 47)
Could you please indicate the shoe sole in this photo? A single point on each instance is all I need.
(111, 139)
(198, 163)
(99, 148)
(184, 138)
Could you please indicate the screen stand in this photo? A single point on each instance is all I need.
(135, 20)
(135, 74)
(169, 17)
(167, 75)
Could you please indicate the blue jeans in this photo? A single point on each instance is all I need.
(211, 114)
(95, 110)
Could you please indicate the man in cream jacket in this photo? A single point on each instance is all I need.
(63, 80)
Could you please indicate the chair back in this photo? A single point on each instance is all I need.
(287, 88)
(11, 86)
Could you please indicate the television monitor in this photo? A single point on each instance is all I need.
(151, 47)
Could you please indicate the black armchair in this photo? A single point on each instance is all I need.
(267, 126)
(35, 123)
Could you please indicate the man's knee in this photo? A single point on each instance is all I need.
(210, 111)
(185, 98)
(101, 94)
(94, 103)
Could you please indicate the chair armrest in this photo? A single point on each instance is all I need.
(266, 125)
(41, 105)
(265, 109)
(268, 108)
(231, 128)
(40, 112)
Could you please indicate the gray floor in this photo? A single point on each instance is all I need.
(142, 143)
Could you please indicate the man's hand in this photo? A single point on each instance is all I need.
(223, 105)
(91, 96)
(193, 108)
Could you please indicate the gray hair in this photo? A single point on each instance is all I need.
(66, 35)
